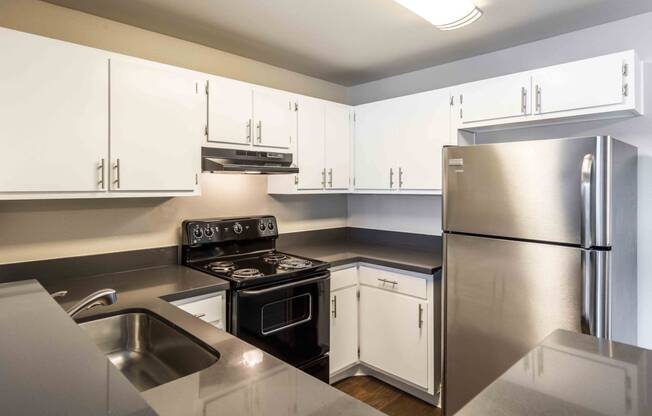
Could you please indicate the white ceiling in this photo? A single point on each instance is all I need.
(354, 41)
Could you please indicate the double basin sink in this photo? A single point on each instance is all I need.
(148, 350)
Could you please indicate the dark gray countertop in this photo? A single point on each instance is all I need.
(244, 381)
(571, 374)
(412, 252)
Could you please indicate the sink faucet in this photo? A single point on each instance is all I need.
(103, 297)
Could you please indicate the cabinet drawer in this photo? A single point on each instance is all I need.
(208, 308)
(344, 278)
(396, 282)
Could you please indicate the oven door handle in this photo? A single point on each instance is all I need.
(285, 286)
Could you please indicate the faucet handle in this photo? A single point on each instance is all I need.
(59, 294)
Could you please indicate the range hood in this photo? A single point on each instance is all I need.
(246, 161)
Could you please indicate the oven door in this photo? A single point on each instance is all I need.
(289, 321)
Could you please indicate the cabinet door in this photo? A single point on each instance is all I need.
(338, 145)
(156, 127)
(54, 115)
(230, 111)
(495, 99)
(374, 151)
(274, 118)
(344, 328)
(580, 85)
(393, 334)
(310, 143)
(424, 126)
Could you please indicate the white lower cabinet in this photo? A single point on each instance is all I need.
(393, 336)
(344, 319)
(383, 319)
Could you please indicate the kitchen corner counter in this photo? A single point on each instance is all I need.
(571, 374)
(52, 367)
(411, 252)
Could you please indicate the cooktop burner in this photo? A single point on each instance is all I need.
(221, 266)
(293, 263)
(274, 257)
(246, 273)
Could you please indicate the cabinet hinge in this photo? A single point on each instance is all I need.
(452, 100)
(196, 178)
(296, 106)
(206, 89)
(206, 130)
(625, 69)
(625, 90)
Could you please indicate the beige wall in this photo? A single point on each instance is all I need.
(35, 230)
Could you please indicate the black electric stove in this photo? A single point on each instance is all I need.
(277, 301)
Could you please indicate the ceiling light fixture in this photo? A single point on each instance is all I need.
(444, 14)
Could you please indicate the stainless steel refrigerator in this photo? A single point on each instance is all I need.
(538, 235)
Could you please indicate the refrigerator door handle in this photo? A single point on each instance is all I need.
(586, 191)
(588, 315)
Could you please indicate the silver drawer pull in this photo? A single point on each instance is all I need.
(199, 315)
(391, 282)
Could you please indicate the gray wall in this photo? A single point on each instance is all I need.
(631, 33)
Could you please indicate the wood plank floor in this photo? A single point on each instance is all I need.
(385, 398)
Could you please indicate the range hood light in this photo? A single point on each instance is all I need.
(444, 14)
(252, 172)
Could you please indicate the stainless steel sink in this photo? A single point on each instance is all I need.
(148, 351)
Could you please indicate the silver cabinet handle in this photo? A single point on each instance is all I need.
(249, 131)
(524, 100)
(391, 178)
(100, 167)
(400, 177)
(391, 282)
(330, 177)
(199, 315)
(116, 181)
(323, 178)
(420, 316)
(586, 191)
(259, 128)
(538, 98)
(334, 301)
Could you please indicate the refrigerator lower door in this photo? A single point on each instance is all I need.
(502, 297)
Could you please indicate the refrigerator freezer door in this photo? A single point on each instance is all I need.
(542, 190)
(502, 298)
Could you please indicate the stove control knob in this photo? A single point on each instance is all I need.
(237, 228)
(197, 232)
(262, 226)
(270, 225)
(209, 232)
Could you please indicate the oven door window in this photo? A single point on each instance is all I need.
(286, 313)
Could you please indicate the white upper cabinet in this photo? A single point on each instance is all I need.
(274, 118)
(494, 99)
(337, 142)
(590, 83)
(398, 142)
(230, 111)
(310, 144)
(375, 155)
(157, 118)
(53, 116)
(423, 129)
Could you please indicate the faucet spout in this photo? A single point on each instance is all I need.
(103, 297)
